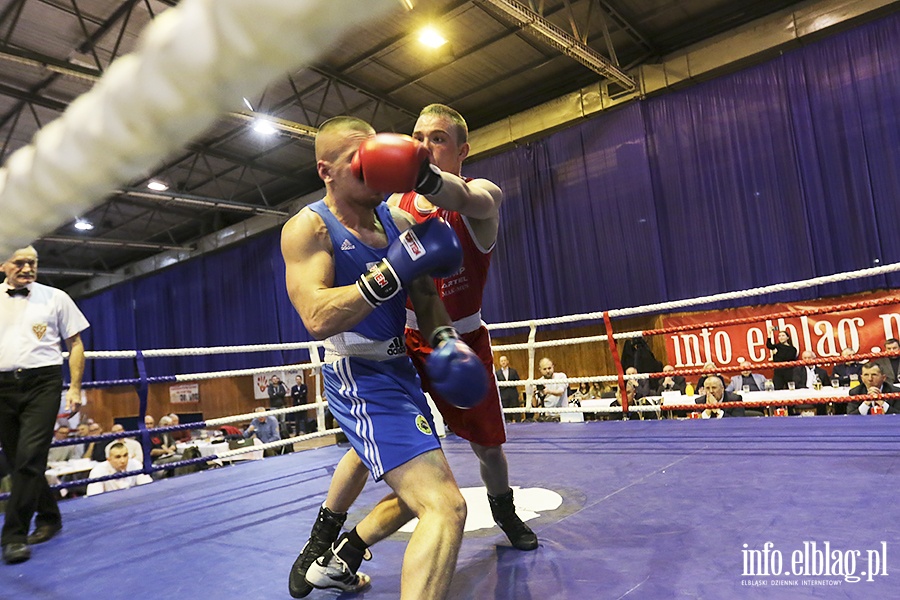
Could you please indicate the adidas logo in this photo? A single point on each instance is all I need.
(347, 245)
(396, 347)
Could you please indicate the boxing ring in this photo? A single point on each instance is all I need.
(670, 508)
(650, 509)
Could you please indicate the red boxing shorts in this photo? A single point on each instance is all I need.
(484, 424)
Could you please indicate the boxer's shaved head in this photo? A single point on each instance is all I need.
(332, 136)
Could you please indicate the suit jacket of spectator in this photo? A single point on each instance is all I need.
(887, 368)
(894, 405)
(737, 382)
(737, 411)
(800, 376)
(643, 389)
(679, 384)
(844, 370)
(299, 394)
(509, 396)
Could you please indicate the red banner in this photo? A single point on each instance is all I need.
(862, 329)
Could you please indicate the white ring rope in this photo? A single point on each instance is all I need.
(666, 306)
(201, 351)
(192, 63)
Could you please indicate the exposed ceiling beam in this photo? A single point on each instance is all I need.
(107, 243)
(202, 201)
(562, 41)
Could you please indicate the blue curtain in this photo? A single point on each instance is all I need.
(784, 171)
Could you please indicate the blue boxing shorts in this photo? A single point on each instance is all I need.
(381, 409)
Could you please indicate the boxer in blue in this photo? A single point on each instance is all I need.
(350, 263)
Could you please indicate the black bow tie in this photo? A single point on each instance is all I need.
(13, 292)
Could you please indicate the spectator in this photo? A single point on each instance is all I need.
(277, 393)
(117, 461)
(299, 397)
(162, 444)
(181, 435)
(783, 351)
(806, 376)
(714, 393)
(83, 430)
(509, 396)
(135, 450)
(672, 383)
(709, 369)
(62, 453)
(844, 372)
(95, 451)
(643, 385)
(754, 381)
(550, 395)
(631, 387)
(874, 381)
(890, 365)
(265, 428)
(596, 390)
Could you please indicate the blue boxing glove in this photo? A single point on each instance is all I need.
(456, 372)
(430, 248)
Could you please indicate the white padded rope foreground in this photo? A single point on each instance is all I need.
(192, 63)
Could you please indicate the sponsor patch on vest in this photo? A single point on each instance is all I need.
(422, 424)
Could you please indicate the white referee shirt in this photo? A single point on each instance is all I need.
(32, 327)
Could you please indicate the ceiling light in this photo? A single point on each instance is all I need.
(82, 225)
(431, 38)
(157, 186)
(264, 127)
(247, 104)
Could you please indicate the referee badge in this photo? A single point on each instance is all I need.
(422, 424)
(39, 330)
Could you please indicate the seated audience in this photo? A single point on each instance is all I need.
(672, 383)
(83, 430)
(844, 371)
(755, 381)
(182, 435)
(117, 461)
(630, 391)
(95, 451)
(890, 365)
(135, 450)
(709, 369)
(806, 376)
(62, 453)
(713, 394)
(874, 381)
(265, 428)
(162, 444)
(643, 385)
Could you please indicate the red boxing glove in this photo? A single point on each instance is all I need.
(394, 163)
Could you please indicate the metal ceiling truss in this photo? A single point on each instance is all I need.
(557, 38)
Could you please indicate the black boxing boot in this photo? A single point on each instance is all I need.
(323, 535)
(504, 510)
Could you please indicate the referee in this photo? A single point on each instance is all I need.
(34, 319)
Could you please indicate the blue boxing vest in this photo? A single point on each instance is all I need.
(352, 258)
